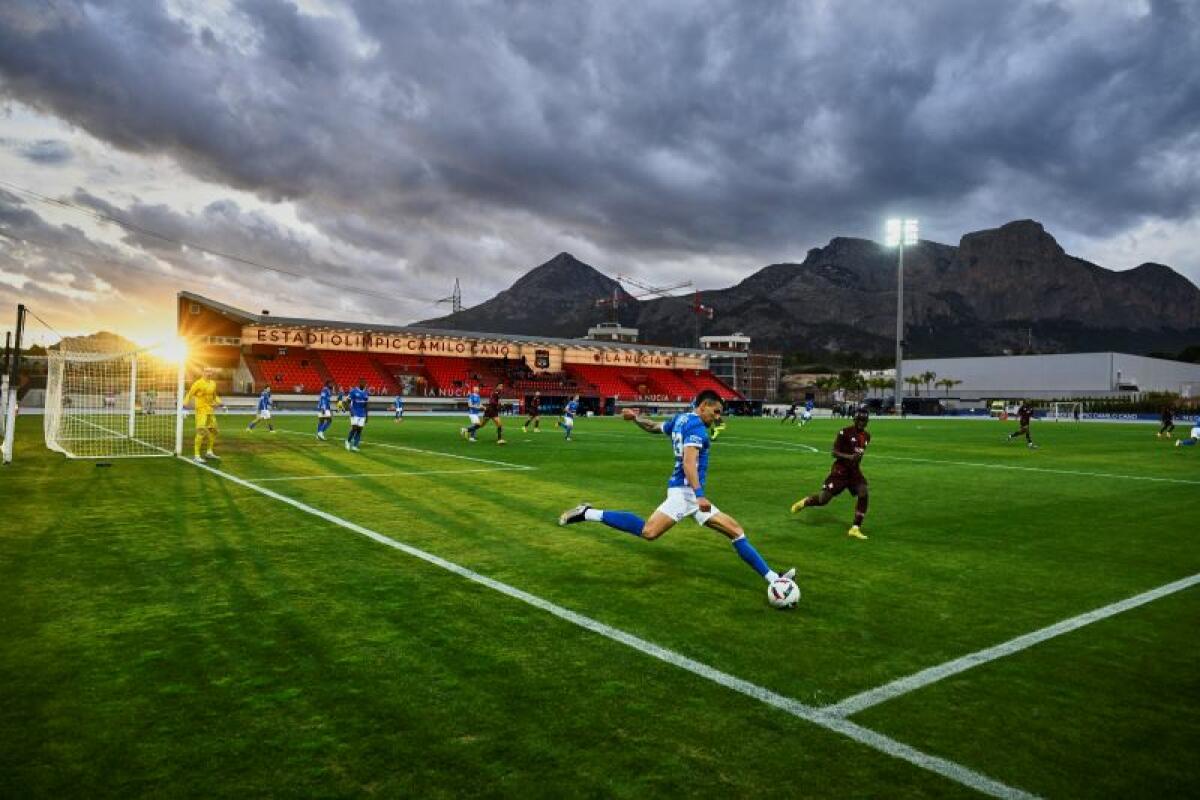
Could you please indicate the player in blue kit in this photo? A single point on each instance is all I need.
(264, 411)
(473, 411)
(398, 406)
(357, 400)
(324, 410)
(1192, 438)
(689, 438)
(567, 423)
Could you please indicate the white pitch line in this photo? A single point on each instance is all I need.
(431, 452)
(872, 697)
(944, 767)
(1038, 469)
(783, 446)
(334, 477)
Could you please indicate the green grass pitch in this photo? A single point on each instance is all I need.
(165, 632)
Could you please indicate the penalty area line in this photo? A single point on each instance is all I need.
(395, 473)
(873, 739)
(873, 697)
(508, 464)
(1037, 469)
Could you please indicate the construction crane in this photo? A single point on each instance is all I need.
(701, 311)
(620, 297)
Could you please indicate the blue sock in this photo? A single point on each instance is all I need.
(1187, 442)
(358, 436)
(624, 521)
(250, 427)
(751, 556)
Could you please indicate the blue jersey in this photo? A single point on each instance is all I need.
(323, 402)
(808, 405)
(687, 430)
(572, 409)
(358, 402)
(264, 401)
(473, 405)
(399, 403)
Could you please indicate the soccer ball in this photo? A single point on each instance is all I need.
(783, 593)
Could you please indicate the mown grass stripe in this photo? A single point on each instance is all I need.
(877, 741)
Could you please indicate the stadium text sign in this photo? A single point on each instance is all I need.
(382, 343)
(545, 358)
(302, 337)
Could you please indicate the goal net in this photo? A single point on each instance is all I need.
(112, 404)
(1066, 411)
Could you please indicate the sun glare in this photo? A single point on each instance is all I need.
(173, 350)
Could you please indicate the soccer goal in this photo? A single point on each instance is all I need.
(113, 404)
(1067, 411)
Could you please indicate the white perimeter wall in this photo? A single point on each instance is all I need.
(1065, 375)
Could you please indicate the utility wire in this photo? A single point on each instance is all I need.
(166, 276)
(130, 226)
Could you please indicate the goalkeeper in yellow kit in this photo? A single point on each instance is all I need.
(204, 394)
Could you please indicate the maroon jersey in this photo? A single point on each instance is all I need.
(535, 405)
(492, 408)
(850, 440)
(1024, 413)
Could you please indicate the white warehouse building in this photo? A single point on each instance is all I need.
(1068, 375)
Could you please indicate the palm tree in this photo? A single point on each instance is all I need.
(824, 384)
(948, 384)
(915, 382)
(928, 378)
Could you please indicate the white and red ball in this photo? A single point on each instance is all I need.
(783, 593)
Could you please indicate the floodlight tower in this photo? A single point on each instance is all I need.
(898, 234)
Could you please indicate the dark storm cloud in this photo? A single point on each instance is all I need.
(651, 130)
(46, 151)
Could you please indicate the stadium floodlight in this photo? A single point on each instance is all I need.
(900, 233)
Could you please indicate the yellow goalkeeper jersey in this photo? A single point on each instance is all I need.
(204, 392)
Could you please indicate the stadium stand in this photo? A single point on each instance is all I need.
(292, 371)
(703, 379)
(348, 367)
(608, 381)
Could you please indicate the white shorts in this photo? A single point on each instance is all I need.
(568, 422)
(324, 415)
(682, 503)
(265, 414)
(1196, 432)
(474, 418)
(806, 415)
(358, 422)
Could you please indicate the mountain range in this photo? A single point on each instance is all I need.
(1006, 289)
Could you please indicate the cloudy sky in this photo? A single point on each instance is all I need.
(375, 151)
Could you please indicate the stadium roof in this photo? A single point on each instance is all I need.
(270, 320)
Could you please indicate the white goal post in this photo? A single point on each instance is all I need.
(1066, 411)
(8, 415)
(113, 405)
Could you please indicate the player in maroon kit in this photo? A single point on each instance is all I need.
(534, 410)
(1024, 415)
(848, 449)
(491, 413)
